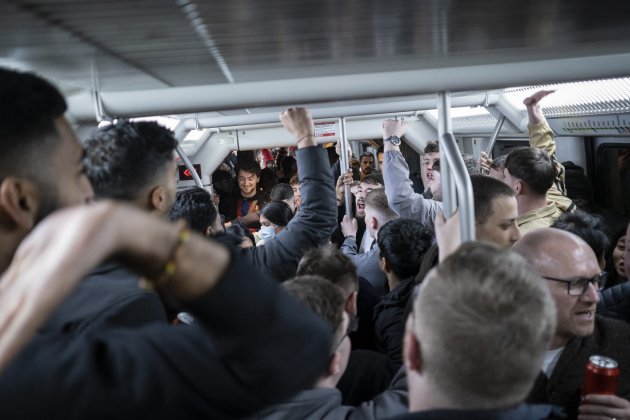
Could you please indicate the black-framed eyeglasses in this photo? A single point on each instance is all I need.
(577, 287)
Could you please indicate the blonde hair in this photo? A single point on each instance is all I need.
(484, 321)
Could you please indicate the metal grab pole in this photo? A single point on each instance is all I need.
(180, 132)
(345, 164)
(189, 165)
(461, 180)
(445, 126)
(495, 134)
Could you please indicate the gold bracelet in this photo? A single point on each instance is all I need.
(171, 264)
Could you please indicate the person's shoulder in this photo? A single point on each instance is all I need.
(604, 324)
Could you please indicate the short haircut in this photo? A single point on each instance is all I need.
(432, 147)
(250, 166)
(278, 212)
(366, 154)
(377, 200)
(281, 192)
(534, 167)
(124, 158)
(484, 320)
(471, 164)
(294, 180)
(373, 179)
(195, 206)
(498, 163)
(588, 227)
(485, 190)
(240, 232)
(323, 298)
(29, 106)
(330, 263)
(403, 243)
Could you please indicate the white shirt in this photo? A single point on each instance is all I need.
(366, 242)
(551, 358)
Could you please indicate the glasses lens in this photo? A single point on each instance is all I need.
(577, 287)
(580, 286)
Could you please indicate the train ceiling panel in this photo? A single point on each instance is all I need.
(608, 96)
(153, 44)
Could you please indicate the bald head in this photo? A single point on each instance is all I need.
(563, 258)
(551, 250)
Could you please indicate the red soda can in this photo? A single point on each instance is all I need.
(600, 377)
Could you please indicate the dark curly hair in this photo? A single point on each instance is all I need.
(403, 243)
(196, 207)
(122, 159)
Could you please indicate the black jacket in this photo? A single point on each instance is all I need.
(389, 322)
(615, 302)
(611, 338)
(521, 412)
(258, 346)
(109, 297)
(310, 227)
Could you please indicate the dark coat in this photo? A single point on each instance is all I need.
(367, 374)
(310, 227)
(367, 299)
(259, 345)
(109, 297)
(615, 302)
(521, 412)
(611, 338)
(389, 322)
(325, 404)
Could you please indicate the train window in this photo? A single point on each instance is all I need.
(613, 177)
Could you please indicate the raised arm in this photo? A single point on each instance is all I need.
(541, 137)
(398, 187)
(540, 134)
(317, 218)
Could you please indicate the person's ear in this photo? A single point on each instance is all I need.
(374, 223)
(19, 201)
(208, 233)
(351, 304)
(412, 354)
(158, 199)
(383, 264)
(518, 186)
(334, 366)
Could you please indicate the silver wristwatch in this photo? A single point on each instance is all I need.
(395, 140)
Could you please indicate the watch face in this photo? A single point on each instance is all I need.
(395, 140)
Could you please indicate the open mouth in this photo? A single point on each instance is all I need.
(360, 205)
(585, 315)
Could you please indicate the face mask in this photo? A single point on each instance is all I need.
(267, 232)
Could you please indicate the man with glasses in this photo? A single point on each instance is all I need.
(572, 272)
